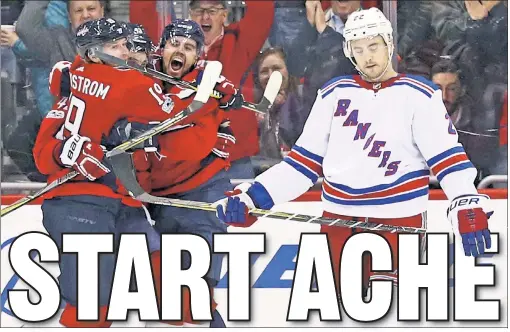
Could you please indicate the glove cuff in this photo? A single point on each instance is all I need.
(466, 202)
(260, 196)
(72, 148)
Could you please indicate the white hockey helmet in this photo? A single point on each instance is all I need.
(367, 23)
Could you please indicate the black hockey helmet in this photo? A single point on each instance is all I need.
(185, 28)
(138, 39)
(92, 34)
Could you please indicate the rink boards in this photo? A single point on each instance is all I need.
(272, 272)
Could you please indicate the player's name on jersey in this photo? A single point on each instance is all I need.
(89, 87)
(313, 285)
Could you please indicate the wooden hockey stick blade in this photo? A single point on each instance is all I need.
(123, 168)
(272, 88)
(27, 199)
(210, 77)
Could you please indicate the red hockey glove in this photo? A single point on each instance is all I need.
(231, 98)
(467, 216)
(225, 141)
(84, 156)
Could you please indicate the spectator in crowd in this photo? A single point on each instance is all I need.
(322, 57)
(473, 33)
(289, 24)
(448, 77)
(487, 34)
(20, 141)
(54, 17)
(337, 14)
(54, 44)
(280, 129)
(236, 46)
(413, 24)
(471, 120)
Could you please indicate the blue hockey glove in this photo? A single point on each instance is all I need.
(124, 130)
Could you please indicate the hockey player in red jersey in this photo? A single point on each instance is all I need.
(375, 137)
(70, 137)
(191, 154)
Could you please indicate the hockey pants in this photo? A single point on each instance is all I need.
(92, 214)
(337, 236)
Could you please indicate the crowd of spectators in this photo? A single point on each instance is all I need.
(460, 45)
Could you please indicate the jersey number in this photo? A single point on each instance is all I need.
(78, 105)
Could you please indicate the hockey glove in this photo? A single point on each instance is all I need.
(231, 98)
(225, 140)
(124, 130)
(59, 80)
(467, 215)
(234, 209)
(84, 156)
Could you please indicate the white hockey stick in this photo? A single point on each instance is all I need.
(122, 165)
(210, 77)
(273, 85)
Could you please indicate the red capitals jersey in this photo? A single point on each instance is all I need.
(187, 160)
(100, 96)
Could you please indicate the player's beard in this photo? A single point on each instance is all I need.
(374, 72)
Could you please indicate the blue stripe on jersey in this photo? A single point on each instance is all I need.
(426, 93)
(443, 155)
(423, 80)
(336, 79)
(308, 154)
(378, 201)
(455, 168)
(303, 170)
(408, 176)
(341, 85)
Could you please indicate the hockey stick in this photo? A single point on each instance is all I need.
(122, 165)
(270, 93)
(211, 73)
(20, 202)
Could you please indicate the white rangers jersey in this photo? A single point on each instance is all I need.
(375, 145)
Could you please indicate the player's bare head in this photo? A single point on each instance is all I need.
(269, 61)
(369, 43)
(81, 11)
(104, 35)
(447, 75)
(344, 8)
(210, 15)
(181, 46)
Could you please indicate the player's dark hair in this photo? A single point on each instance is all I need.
(445, 66)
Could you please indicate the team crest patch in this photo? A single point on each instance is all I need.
(168, 105)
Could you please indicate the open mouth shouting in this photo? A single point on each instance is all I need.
(176, 65)
(206, 27)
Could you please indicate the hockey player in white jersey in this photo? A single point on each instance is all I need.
(374, 137)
